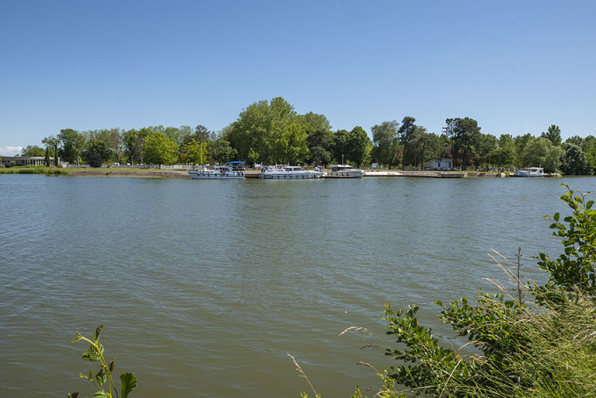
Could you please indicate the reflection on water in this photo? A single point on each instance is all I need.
(204, 286)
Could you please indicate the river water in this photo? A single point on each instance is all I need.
(205, 286)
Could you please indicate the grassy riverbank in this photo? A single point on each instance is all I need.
(179, 173)
(97, 172)
(34, 170)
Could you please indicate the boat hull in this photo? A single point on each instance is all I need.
(345, 174)
(290, 176)
(530, 172)
(197, 175)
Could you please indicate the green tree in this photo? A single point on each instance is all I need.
(115, 144)
(504, 154)
(267, 132)
(415, 152)
(574, 161)
(407, 135)
(485, 147)
(52, 142)
(32, 150)
(290, 145)
(429, 146)
(220, 150)
(175, 134)
(105, 142)
(464, 134)
(359, 146)
(589, 148)
(97, 152)
(194, 152)
(553, 134)
(314, 122)
(320, 145)
(576, 139)
(73, 144)
(200, 134)
(385, 142)
(133, 143)
(541, 152)
(185, 131)
(159, 149)
(341, 152)
(520, 143)
(319, 139)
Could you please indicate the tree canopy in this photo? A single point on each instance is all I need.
(73, 144)
(359, 146)
(464, 134)
(385, 142)
(541, 152)
(553, 134)
(574, 161)
(320, 145)
(158, 148)
(32, 150)
(273, 132)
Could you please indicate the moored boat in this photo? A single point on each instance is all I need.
(288, 172)
(530, 172)
(229, 171)
(343, 171)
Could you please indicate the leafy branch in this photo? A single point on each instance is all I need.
(95, 353)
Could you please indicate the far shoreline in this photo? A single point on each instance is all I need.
(183, 174)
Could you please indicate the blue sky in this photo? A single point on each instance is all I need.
(515, 66)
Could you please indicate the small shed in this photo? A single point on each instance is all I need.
(439, 164)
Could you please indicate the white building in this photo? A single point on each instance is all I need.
(439, 164)
(25, 160)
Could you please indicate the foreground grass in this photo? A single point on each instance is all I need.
(34, 170)
(558, 360)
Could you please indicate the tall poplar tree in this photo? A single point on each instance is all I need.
(407, 136)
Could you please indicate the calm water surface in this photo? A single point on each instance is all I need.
(204, 286)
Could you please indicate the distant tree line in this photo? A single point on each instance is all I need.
(271, 132)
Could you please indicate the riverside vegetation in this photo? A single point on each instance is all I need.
(543, 346)
(273, 132)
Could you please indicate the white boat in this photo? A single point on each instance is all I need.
(291, 172)
(344, 170)
(530, 172)
(229, 171)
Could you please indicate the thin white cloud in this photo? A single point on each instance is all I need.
(10, 150)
